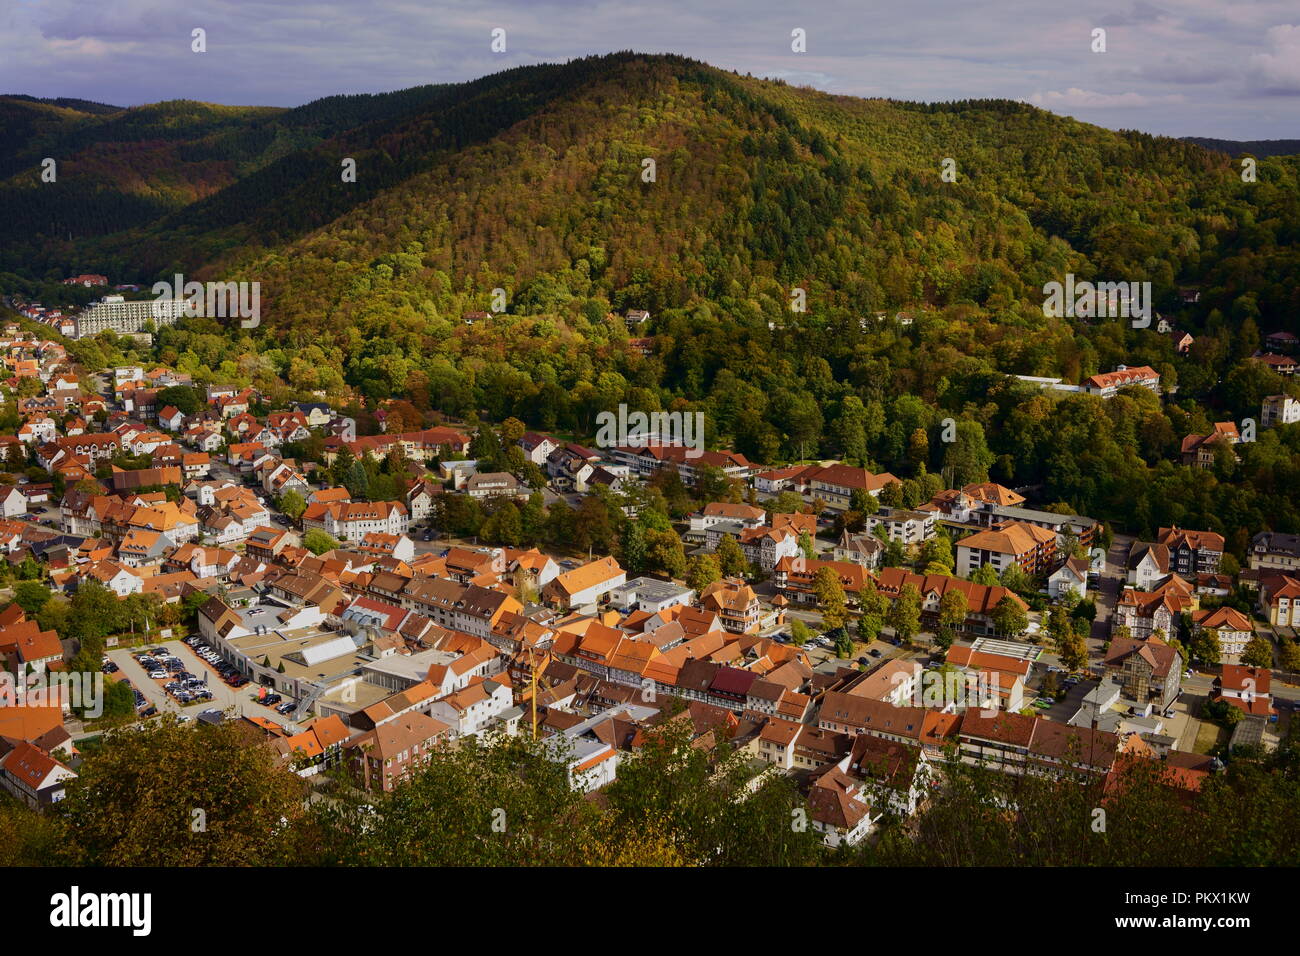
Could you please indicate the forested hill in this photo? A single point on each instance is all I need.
(1259, 148)
(534, 181)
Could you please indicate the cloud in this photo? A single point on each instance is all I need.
(1077, 99)
(1191, 67)
(1278, 71)
(1185, 70)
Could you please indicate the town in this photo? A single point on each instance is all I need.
(363, 602)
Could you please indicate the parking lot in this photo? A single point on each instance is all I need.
(239, 702)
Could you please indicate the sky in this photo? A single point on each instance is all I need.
(1173, 67)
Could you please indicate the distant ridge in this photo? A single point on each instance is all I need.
(1259, 148)
(70, 103)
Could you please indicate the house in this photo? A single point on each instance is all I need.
(1274, 551)
(863, 549)
(494, 484)
(981, 599)
(1279, 600)
(763, 547)
(1145, 612)
(1032, 548)
(1072, 575)
(1281, 364)
(1229, 626)
(645, 460)
(650, 595)
(735, 603)
(841, 808)
(794, 577)
(26, 649)
(998, 679)
(473, 708)
(31, 775)
(1146, 671)
(1281, 342)
(420, 498)
(725, 512)
(1198, 451)
(1192, 552)
(352, 521)
(12, 502)
(1279, 410)
(537, 448)
(381, 758)
(586, 584)
(1148, 564)
(635, 318)
(1108, 384)
(903, 526)
(835, 484)
(1249, 689)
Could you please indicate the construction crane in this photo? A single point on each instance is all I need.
(532, 668)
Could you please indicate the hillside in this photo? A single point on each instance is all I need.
(530, 180)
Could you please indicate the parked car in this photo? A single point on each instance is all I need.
(270, 700)
(286, 707)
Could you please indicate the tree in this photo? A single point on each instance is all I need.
(905, 614)
(830, 595)
(891, 495)
(318, 542)
(1258, 653)
(1059, 628)
(1074, 652)
(184, 398)
(937, 552)
(504, 526)
(799, 633)
(985, 574)
(632, 548)
(664, 553)
(701, 571)
(1009, 617)
(31, 596)
(163, 794)
(806, 547)
(953, 608)
(731, 559)
(785, 503)
(1204, 646)
(869, 626)
(292, 504)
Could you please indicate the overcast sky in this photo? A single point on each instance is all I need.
(1178, 67)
